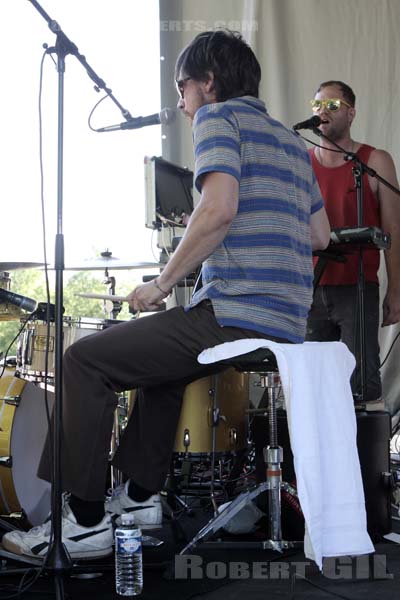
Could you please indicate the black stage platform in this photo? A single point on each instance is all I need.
(234, 573)
(210, 570)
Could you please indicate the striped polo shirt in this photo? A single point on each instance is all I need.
(261, 275)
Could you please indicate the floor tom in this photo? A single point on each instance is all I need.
(194, 432)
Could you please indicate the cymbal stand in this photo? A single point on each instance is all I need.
(58, 560)
(359, 169)
(215, 423)
(117, 306)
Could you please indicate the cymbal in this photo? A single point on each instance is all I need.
(11, 266)
(95, 296)
(111, 262)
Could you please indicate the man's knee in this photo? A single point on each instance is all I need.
(73, 356)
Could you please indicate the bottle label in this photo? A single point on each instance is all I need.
(129, 545)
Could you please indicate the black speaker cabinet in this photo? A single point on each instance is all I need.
(373, 442)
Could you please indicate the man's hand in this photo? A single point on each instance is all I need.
(391, 308)
(147, 297)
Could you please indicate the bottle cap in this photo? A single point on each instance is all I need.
(127, 519)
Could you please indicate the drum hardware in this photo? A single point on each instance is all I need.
(174, 500)
(116, 305)
(186, 439)
(233, 437)
(121, 416)
(12, 400)
(215, 422)
(257, 411)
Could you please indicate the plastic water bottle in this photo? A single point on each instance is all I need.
(128, 557)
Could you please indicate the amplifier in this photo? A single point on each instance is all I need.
(373, 443)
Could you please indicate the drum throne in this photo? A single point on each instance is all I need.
(315, 378)
(262, 363)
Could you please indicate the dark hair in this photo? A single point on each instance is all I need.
(224, 53)
(346, 90)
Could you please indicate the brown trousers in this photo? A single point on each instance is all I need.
(158, 354)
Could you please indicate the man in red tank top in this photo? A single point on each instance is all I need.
(334, 313)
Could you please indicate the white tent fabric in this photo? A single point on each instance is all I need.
(299, 44)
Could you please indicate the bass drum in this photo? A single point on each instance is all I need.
(23, 429)
(194, 432)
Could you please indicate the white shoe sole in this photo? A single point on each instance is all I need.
(15, 549)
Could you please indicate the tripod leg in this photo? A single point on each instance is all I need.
(273, 457)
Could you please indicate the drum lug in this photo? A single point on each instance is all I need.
(13, 400)
(20, 515)
(6, 461)
(214, 417)
(186, 438)
(233, 437)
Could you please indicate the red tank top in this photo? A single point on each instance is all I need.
(340, 199)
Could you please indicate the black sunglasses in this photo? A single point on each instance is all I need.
(180, 86)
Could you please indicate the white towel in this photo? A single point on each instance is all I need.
(322, 425)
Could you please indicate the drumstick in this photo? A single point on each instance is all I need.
(95, 296)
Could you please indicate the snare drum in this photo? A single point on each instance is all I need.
(33, 341)
(23, 429)
(194, 433)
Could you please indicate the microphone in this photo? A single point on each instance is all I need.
(17, 300)
(165, 117)
(310, 123)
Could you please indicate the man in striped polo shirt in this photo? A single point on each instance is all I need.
(259, 218)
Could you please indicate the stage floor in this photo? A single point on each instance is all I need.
(234, 573)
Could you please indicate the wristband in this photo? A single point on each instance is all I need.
(158, 287)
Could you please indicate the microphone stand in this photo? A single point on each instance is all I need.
(58, 559)
(359, 169)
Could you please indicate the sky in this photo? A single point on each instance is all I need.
(103, 182)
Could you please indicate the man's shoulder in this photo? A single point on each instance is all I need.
(241, 104)
(382, 162)
(234, 114)
(365, 150)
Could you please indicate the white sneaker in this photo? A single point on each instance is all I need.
(81, 542)
(148, 514)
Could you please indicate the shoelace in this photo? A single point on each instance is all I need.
(45, 528)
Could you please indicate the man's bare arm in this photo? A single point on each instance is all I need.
(207, 228)
(389, 205)
(320, 230)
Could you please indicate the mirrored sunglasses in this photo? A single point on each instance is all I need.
(331, 104)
